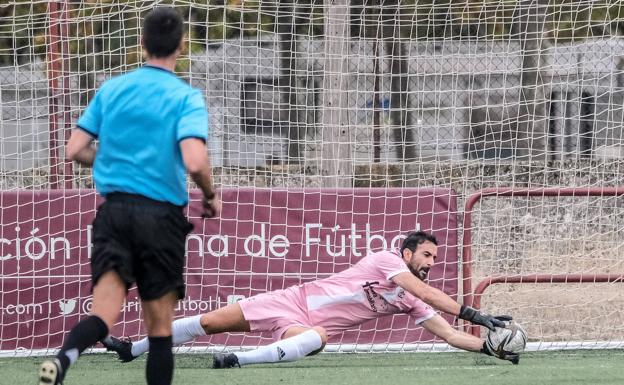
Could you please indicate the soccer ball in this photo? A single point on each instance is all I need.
(511, 339)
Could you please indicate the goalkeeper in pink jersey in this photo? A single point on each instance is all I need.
(301, 318)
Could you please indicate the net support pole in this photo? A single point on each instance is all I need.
(67, 117)
(336, 133)
(53, 63)
(532, 120)
(58, 81)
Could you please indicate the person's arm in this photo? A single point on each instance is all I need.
(441, 301)
(430, 295)
(458, 339)
(80, 148)
(197, 164)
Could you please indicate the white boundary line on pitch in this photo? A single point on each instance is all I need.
(354, 348)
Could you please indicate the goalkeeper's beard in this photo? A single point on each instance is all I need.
(421, 273)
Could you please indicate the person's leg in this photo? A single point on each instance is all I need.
(296, 330)
(158, 317)
(226, 319)
(108, 296)
(160, 231)
(296, 343)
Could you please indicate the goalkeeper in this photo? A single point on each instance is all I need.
(302, 318)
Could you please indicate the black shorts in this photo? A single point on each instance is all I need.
(143, 240)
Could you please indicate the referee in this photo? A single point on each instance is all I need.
(151, 127)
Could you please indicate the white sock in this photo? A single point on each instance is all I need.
(72, 355)
(183, 330)
(289, 349)
(139, 347)
(186, 330)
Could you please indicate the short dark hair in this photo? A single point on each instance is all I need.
(163, 29)
(416, 238)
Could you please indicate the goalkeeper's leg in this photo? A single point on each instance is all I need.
(183, 330)
(226, 319)
(297, 343)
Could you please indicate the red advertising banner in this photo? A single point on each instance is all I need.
(265, 239)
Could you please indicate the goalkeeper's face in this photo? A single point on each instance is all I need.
(421, 260)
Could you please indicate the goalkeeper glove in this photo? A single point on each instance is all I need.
(476, 317)
(514, 358)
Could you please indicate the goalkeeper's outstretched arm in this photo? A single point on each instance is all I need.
(458, 339)
(441, 301)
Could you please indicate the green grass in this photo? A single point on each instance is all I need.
(579, 367)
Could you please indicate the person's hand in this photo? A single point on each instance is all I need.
(514, 358)
(478, 318)
(211, 205)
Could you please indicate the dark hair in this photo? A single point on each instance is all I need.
(416, 238)
(163, 29)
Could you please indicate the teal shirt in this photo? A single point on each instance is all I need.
(140, 118)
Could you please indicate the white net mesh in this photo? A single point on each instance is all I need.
(308, 96)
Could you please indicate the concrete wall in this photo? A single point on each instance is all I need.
(448, 83)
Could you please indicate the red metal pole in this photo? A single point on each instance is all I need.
(67, 118)
(510, 192)
(53, 73)
(467, 247)
(540, 278)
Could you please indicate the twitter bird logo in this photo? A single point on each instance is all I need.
(67, 307)
(233, 298)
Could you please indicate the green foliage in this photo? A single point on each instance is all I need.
(572, 20)
(21, 32)
(104, 34)
(566, 20)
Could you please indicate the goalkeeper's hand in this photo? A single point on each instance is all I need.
(476, 317)
(514, 358)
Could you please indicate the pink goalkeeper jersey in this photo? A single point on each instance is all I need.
(361, 293)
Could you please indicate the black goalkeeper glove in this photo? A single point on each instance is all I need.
(476, 317)
(514, 358)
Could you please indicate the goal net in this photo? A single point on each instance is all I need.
(335, 129)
